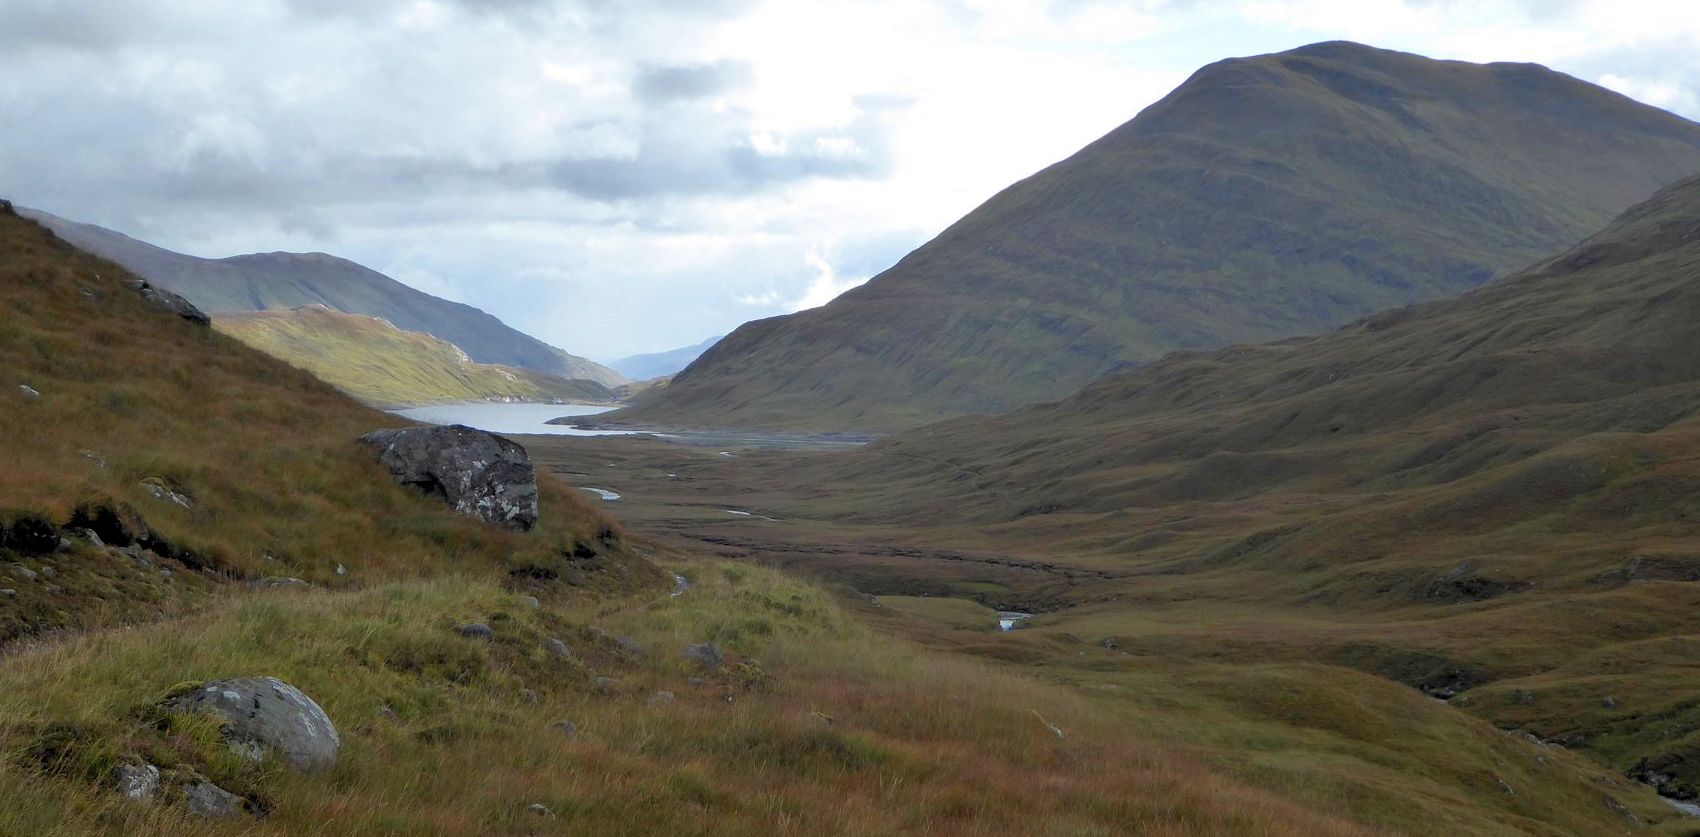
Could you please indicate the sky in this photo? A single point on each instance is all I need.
(624, 176)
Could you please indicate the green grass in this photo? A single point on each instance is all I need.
(382, 365)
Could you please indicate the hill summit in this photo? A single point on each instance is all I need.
(1266, 197)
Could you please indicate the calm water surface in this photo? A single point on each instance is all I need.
(510, 418)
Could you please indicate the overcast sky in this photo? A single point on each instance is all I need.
(618, 176)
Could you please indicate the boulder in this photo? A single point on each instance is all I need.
(28, 392)
(475, 630)
(206, 799)
(260, 712)
(530, 602)
(566, 728)
(706, 655)
(135, 782)
(476, 473)
(557, 648)
(661, 697)
(168, 301)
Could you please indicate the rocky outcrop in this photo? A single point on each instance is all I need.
(206, 799)
(262, 712)
(707, 655)
(166, 300)
(135, 782)
(477, 473)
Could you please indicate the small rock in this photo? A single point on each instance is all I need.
(136, 782)
(604, 685)
(530, 602)
(475, 630)
(388, 714)
(696, 682)
(164, 299)
(160, 490)
(276, 582)
(23, 573)
(661, 697)
(206, 799)
(706, 655)
(341, 570)
(566, 728)
(29, 393)
(1609, 703)
(98, 460)
(528, 696)
(540, 810)
(557, 648)
(8, 593)
(1110, 643)
(265, 711)
(48, 572)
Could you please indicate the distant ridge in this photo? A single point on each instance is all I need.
(645, 367)
(279, 281)
(1266, 197)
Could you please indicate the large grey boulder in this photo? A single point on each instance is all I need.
(262, 712)
(164, 299)
(707, 655)
(477, 473)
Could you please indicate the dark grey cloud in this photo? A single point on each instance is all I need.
(698, 81)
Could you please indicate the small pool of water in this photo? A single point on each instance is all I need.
(510, 418)
(1007, 619)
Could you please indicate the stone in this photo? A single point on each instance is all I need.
(160, 490)
(1609, 703)
(168, 301)
(273, 582)
(476, 473)
(22, 573)
(135, 782)
(8, 593)
(706, 655)
(530, 602)
(28, 392)
(528, 696)
(206, 799)
(260, 712)
(1110, 644)
(540, 810)
(607, 685)
(661, 697)
(475, 630)
(557, 648)
(48, 572)
(566, 728)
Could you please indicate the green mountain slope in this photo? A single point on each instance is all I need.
(273, 281)
(268, 543)
(1489, 498)
(1265, 197)
(380, 364)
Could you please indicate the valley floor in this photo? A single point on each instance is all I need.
(1313, 704)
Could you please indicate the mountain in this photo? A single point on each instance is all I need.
(660, 364)
(1266, 197)
(1489, 498)
(379, 364)
(181, 515)
(273, 281)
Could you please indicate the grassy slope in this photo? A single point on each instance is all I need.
(818, 727)
(272, 281)
(1266, 197)
(380, 364)
(1490, 494)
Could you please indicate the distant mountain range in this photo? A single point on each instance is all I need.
(281, 281)
(1266, 197)
(660, 364)
(372, 360)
